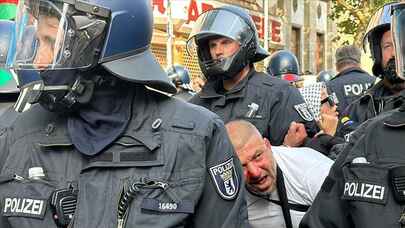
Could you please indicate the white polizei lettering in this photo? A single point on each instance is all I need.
(20, 205)
(7, 204)
(13, 204)
(27, 205)
(347, 89)
(218, 170)
(37, 207)
(352, 188)
(347, 185)
(222, 168)
(364, 190)
(215, 171)
(369, 188)
(16, 204)
(382, 193)
(357, 193)
(377, 192)
(356, 89)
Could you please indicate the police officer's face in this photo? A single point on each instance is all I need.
(259, 168)
(387, 48)
(47, 35)
(222, 47)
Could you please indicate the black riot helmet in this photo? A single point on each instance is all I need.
(283, 62)
(325, 75)
(89, 34)
(231, 22)
(379, 23)
(75, 45)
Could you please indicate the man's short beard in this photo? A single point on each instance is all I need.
(390, 75)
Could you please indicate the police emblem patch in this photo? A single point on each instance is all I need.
(226, 179)
(304, 112)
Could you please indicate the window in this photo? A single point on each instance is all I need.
(320, 52)
(296, 43)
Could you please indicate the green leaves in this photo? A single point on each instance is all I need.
(352, 17)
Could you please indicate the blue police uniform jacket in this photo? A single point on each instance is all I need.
(362, 187)
(277, 102)
(349, 85)
(181, 146)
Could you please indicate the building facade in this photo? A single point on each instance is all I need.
(300, 26)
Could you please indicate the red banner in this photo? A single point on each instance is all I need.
(193, 8)
(9, 1)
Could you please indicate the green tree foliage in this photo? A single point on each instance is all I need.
(352, 17)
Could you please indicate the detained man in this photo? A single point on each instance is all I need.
(282, 181)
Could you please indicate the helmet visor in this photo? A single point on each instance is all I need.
(380, 19)
(398, 28)
(218, 22)
(44, 37)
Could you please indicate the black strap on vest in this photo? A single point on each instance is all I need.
(291, 206)
(282, 193)
(283, 202)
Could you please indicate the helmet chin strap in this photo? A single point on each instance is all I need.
(224, 68)
(61, 95)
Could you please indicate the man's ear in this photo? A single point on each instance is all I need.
(267, 142)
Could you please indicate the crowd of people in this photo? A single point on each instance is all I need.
(101, 135)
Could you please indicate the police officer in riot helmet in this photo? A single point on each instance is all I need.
(284, 65)
(226, 42)
(101, 149)
(283, 62)
(364, 187)
(180, 77)
(325, 76)
(383, 95)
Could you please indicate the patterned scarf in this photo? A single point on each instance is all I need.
(312, 96)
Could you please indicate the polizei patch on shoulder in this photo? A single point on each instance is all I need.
(226, 179)
(365, 191)
(304, 112)
(23, 207)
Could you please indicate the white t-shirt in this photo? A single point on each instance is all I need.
(304, 171)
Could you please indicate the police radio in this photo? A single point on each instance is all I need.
(63, 205)
(397, 179)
